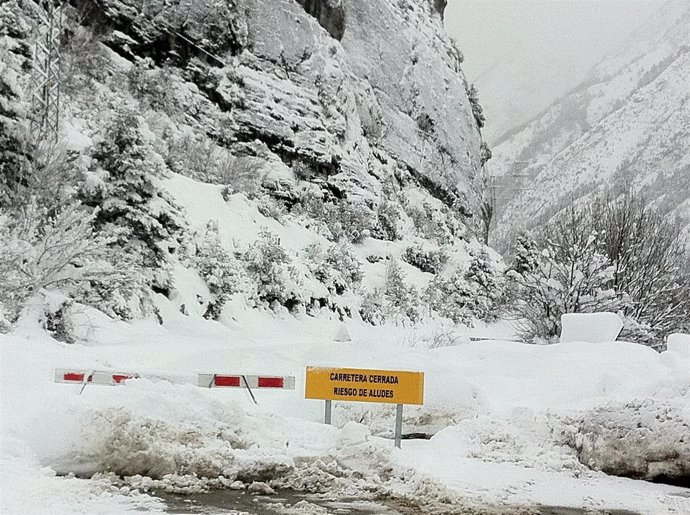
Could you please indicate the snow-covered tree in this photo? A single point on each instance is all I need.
(133, 210)
(218, 268)
(428, 260)
(614, 254)
(477, 110)
(487, 283)
(395, 301)
(572, 275)
(526, 256)
(650, 259)
(337, 267)
(42, 252)
(271, 269)
(15, 145)
(451, 297)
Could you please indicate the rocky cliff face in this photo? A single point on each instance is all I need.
(627, 127)
(348, 92)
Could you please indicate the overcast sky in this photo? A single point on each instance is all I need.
(537, 48)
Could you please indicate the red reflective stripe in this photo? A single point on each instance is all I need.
(226, 380)
(118, 378)
(271, 382)
(71, 376)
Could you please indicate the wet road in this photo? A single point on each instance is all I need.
(234, 502)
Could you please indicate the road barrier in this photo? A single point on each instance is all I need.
(110, 378)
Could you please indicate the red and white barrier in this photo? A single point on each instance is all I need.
(246, 381)
(109, 378)
(101, 377)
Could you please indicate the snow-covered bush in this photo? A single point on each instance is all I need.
(477, 293)
(451, 297)
(388, 215)
(122, 291)
(56, 318)
(609, 255)
(4, 322)
(204, 159)
(83, 55)
(430, 261)
(345, 220)
(439, 224)
(337, 267)
(140, 217)
(571, 275)
(49, 252)
(218, 268)
(396, 301)
(153, 86)
(477, 109)
(270, 267)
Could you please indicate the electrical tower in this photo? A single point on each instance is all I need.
(45, 100)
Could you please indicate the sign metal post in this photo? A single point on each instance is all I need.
(327, 415)
(398, 424)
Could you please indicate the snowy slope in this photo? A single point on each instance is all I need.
(628, 125)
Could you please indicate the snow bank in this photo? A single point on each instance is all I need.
(501, 403)
(679, 344)
(645, 439)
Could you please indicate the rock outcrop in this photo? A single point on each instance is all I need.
(348, 91)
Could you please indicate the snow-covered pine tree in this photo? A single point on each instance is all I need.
(402, 300)
(526, 257)
(488, 285)
(15, 147)
(141, 218)
(451, 297)
(218, 268)
(477, 110)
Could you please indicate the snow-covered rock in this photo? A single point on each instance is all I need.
(341, 90)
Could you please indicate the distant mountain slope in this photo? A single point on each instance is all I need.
(628, 125)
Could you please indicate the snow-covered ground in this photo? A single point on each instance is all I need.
(505, 415)
(514, 424)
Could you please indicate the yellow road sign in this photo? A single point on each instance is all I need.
(362, 385)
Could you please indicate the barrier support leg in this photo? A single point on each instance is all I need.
(246, 383)
(398, 424)
(87, 377)
(327, 415)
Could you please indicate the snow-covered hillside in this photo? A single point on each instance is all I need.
(627, 126)
(236, 183)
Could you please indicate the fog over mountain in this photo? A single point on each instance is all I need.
(524, 54)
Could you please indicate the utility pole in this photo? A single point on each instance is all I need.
(45, 77)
